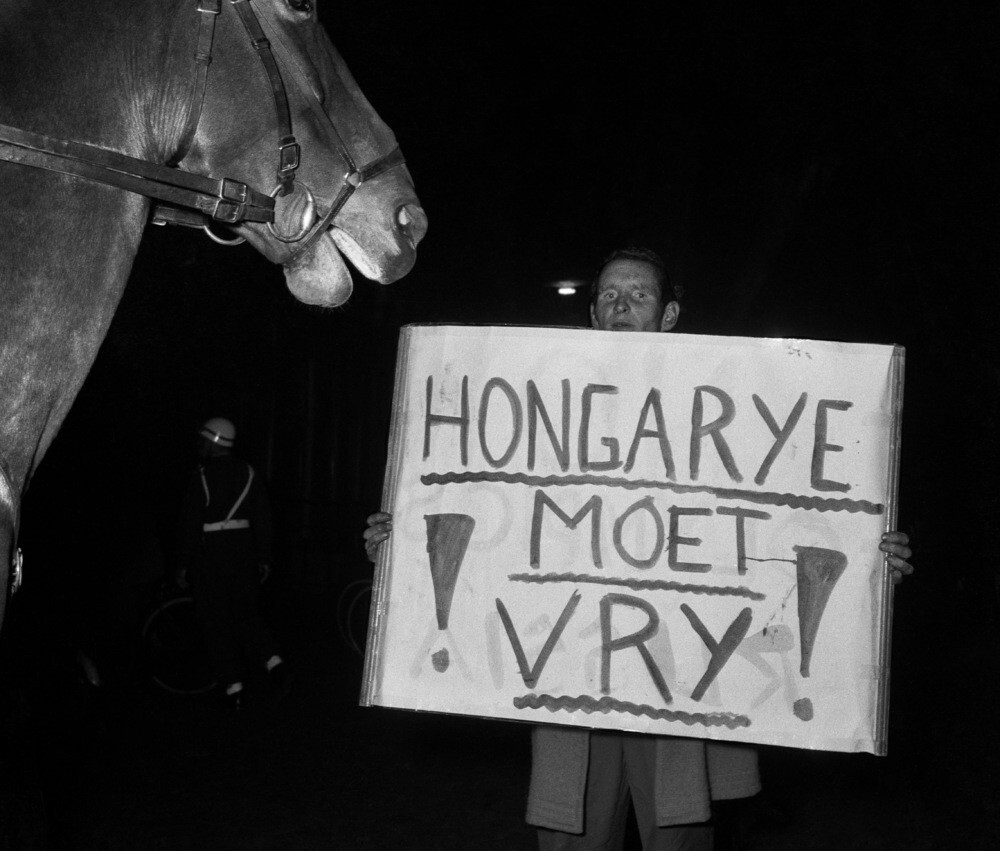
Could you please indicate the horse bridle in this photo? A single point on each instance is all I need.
(192, 199)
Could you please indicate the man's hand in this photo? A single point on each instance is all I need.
(896, 545)
(379, 527)
(180, 577)
(264, 572)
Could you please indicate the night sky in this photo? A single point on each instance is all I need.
(817, 170)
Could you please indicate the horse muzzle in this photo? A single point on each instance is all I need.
(377, 231)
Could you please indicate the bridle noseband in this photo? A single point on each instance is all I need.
(192, 199)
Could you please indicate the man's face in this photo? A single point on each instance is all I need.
(629, 299)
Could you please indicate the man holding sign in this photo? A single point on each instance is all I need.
(582, 780)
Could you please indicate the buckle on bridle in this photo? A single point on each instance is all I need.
(230, 204)
(288, 161)
(288, 155)
(17, 571)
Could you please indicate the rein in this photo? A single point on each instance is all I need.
(224, 200)
(196, 200)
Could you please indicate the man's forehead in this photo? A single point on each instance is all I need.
(626, 272)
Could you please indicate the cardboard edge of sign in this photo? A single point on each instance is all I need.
(372, 673)
(898, 370)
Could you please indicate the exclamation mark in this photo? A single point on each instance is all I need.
(817, 571)
(447, 540)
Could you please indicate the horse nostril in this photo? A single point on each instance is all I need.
(412, 221)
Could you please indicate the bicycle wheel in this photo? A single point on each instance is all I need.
(174, 650)
(353, 605)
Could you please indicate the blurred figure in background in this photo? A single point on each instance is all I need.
(224, 553)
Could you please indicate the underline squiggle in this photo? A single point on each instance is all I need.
(641, 584)
(587, 704)
(790, 500)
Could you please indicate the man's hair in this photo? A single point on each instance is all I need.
(668, 291)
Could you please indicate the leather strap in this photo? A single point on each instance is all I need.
(288, 148)
(208, 11)
(225, 200)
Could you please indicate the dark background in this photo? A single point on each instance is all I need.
(808, 169)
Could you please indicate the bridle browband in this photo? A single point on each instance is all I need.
(192, 199)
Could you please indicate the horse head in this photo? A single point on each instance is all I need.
(237, 113)
(330, 209)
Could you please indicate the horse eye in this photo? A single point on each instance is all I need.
(300, 5)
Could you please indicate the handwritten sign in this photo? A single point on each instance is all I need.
(663, 533)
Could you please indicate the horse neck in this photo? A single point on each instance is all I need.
(108, 73)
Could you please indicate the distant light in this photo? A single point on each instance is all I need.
(567, 286)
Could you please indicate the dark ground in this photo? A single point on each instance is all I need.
(129, 767)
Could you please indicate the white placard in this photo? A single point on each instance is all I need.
(663, 533)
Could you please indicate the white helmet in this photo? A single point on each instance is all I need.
(219, 431)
